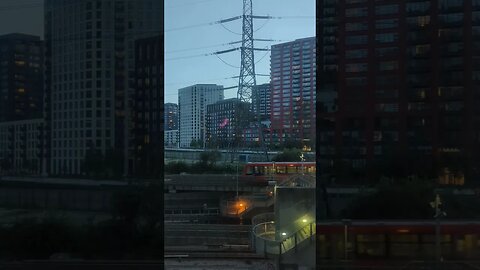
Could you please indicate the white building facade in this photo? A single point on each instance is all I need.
(192, 102)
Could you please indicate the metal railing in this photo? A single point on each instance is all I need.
(232, 207)
(266, 242)
(400, 265)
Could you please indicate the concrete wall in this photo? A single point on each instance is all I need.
(292, 207)
(65, 199)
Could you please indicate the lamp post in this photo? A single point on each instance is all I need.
(438, 214)
(346, 222)
(302, 158)
(238, 160)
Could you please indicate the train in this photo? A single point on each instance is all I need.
(265, 171)
(397, 240)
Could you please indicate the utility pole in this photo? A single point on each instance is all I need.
(438, 214)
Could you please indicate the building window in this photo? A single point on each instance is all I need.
(386, 9)
(386, 107)
(384, 52)
(356, 40)
(450, 4)
(386, 24)
(357, 67)
(386, 38)
(356, 12)
(388, 66)
(360, 26)
(355, 54)
(418, 7)
(356, 81)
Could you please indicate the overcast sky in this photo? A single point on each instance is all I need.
(21, 16)
(184, 48)
(184, 64)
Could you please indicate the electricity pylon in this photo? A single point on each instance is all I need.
(247, 81)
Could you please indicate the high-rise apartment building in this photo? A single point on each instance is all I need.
(171, 116)
(293, 85)
(90, 77)
(148, 114)
(21, 77)
(21, 146)
(192, 105)
(261, 98)
(398, 89)
(221, 120)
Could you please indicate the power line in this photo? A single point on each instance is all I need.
(261, 58)
(196, 82)
(226, 62)
(233, 19)
(263, 25)
(221, 24)
(198, 48)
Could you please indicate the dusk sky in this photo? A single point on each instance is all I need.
(21, 16)
(184, 63)
(184, 48)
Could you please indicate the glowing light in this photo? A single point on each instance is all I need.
(304, 221)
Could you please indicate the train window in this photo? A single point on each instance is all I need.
(292, 169)
(259, 170)
(281, 169)
(404, 245)
(310, 169)
(371, 245)
(249, 170)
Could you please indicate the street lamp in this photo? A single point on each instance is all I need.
(346, 222)
(438, 214)
(302, 158)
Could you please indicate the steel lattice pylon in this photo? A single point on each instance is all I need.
(247, 80)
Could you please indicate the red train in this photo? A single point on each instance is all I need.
(460, 240)
(265, 171)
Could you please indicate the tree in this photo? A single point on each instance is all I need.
(394, 199)
(5, 164)
(288, 155)
(93, 163)
(210, 158)
(196, 143)
(113, 163)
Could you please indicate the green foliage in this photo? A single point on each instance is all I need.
(5, 164)
(210, 158)
(177, 167)
(93, 163)
(150, 161)
(405, 199)
(38, 238)
(196, 144)
(288, 155)
(113, 163)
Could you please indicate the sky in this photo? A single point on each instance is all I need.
(189, 36)
(185, 64)
(21, 16)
